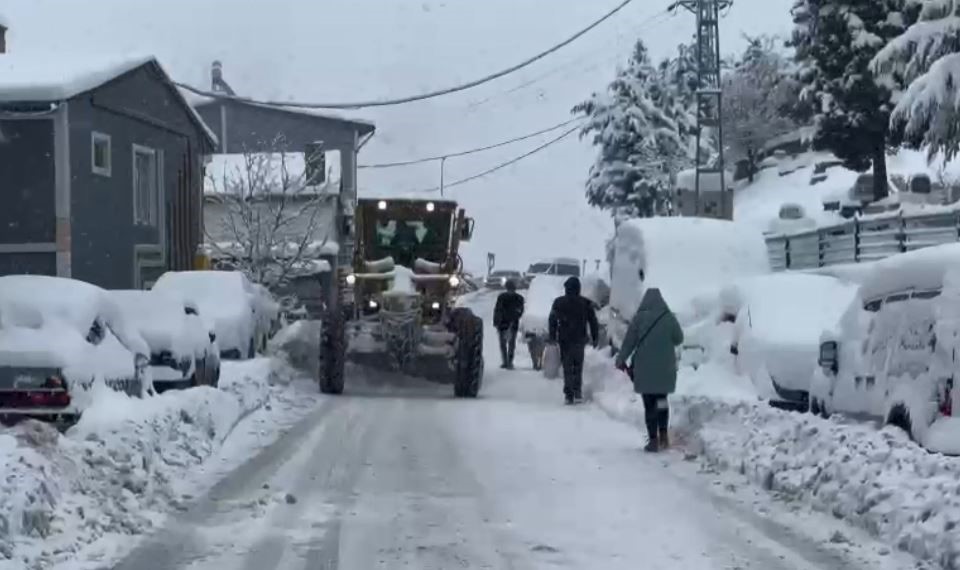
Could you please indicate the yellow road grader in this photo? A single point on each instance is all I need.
(396, 308)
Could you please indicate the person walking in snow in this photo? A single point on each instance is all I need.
(651, 341)
(570, 318)
(506, 318)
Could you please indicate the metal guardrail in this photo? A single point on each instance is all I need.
(861, 240)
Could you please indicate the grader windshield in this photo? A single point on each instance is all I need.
(407, 230)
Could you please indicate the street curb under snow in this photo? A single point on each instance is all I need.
(878, 480)
(116, 471)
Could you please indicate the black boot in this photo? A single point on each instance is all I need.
(653, 445)
(663, 424)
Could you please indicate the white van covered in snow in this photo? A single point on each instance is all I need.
(686, 258)
(893, 355)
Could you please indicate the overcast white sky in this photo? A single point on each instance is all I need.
(360, 49)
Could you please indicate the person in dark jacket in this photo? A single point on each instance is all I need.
(506, 318)
(570, 318)
(651, 340)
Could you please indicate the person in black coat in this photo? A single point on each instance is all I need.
(506, 318)
(571, 318)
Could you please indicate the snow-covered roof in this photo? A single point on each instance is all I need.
(227, 172)
(41, 77)
(198, 100)
(4, 22)
(48, 77)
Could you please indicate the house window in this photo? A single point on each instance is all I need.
(146, 183)
(100, 155)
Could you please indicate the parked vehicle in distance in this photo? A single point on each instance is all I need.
(893, 355)
(183, 351)
(228, 301)
(58, 339)
(564, 266)
(498, 279)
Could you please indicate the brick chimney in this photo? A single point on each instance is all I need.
(3, 38)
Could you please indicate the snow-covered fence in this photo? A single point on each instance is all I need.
(865, 239)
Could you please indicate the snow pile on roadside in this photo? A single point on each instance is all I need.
(115, 471)
(876, 479)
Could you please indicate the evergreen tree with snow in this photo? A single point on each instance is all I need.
(835, 42)
(639, 144)
(926, 57)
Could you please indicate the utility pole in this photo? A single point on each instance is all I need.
(709, 108)
(443, 162)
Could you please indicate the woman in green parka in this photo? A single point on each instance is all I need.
(650, 347)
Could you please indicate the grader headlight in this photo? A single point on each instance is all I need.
(454, 281)
(351, 279)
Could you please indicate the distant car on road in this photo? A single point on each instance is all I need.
(498, 279)
(58, 338)
(238, 310)
(183, 349)
(563, 266)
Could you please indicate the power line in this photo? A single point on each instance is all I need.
(575, 63)
(502, 165)
(421, 97)
(470, 151)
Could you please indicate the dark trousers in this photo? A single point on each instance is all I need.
(571, 357)
(508, 344)
(657, 415)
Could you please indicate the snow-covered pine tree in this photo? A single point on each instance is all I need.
(640, 149)
(926, 57)
(835, 42)
(756, 96)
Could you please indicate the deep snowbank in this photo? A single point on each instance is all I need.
(876, 479)
(117, 470)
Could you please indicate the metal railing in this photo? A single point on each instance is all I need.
(859, 240)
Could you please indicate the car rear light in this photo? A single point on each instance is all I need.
(35, 399)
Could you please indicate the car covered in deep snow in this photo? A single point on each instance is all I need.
(893, 355)
(228, 301)
(686, 258)
(777, 322)
(59, 339)
(183, 348)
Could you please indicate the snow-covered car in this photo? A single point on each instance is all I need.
(534, 324)
(893, 355)
(566, 266)
(59, 340)
(183, 350)
(228, 301)
(777, 323)
(498, 279)
(686, 258)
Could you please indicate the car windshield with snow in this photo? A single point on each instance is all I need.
(59, 339)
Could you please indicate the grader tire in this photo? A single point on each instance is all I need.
(469, 357)
(333, 348)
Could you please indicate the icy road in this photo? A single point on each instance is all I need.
(399, 475)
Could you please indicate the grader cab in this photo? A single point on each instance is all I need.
(397, 308)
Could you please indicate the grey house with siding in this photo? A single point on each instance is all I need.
(101, 169)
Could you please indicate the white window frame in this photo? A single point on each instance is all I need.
(97, 137)
(154, 216)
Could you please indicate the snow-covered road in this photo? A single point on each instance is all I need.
(399, 475)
